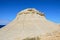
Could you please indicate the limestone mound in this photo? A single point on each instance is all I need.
(30, 24)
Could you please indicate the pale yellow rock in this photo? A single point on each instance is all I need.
(31, 24)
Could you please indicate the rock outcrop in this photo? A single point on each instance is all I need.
(30, 24)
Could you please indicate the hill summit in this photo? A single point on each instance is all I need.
(30, 24)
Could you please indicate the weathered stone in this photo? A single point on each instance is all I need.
(30, 24)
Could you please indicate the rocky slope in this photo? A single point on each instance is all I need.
(30, 24)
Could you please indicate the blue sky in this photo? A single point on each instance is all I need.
(10, 8)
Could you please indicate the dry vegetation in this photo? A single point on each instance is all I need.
(35, 38)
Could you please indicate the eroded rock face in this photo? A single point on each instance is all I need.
(30, 11)
(30, 24)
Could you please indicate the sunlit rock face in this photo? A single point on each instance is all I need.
(30, 24)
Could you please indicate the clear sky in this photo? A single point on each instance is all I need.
(10, 8)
